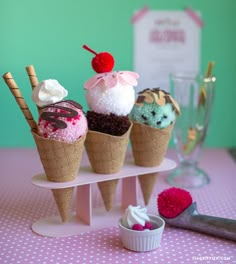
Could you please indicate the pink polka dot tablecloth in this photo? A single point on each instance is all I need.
(22, 204)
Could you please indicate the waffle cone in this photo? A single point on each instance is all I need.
(60, 160)
(147, 183)
(63, 199)
(149, 145)
(106, 153)
(107, 190)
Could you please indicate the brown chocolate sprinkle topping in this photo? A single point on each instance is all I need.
(145, 90)
(72, 102)
(140, 99)
(168, 100)
(160, 96)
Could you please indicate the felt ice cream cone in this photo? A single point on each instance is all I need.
(107, 190)
(153, 115)
(106, 153)
(110, 96)
(149, 145)
(147, 182)
(63, 199)
(61, 162)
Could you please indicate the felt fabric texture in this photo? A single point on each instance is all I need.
(109, 124)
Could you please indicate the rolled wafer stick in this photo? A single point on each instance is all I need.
(32, 76)
(195, 134)
(209, 69)
(203, 94)
(20, 100)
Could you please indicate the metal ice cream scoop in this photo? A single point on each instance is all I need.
(216, 226)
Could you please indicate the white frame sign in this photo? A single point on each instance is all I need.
(165, 42)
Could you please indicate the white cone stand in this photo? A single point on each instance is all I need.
(86, 218)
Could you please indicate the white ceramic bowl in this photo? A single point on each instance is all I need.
(146, 240)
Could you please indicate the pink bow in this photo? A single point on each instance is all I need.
(110, 79)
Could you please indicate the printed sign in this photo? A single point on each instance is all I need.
(165, 42)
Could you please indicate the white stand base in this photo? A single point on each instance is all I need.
(86, 217)
(52, 226)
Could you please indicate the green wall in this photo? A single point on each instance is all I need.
(49, 34)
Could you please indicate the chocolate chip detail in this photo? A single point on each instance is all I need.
(144, 117)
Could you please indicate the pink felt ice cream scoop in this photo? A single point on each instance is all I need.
(64, 121)
(58, 119)
(177, 209)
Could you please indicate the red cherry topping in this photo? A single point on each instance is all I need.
(137, 227)
(102, 62)
(148, 225)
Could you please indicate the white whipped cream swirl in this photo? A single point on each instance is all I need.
(48, 92)
(134, 215)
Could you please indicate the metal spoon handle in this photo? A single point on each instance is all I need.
(216, 226)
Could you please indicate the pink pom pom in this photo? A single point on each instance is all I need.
(75, 127)
(148, 225)
(137, 227)
(173, 201)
